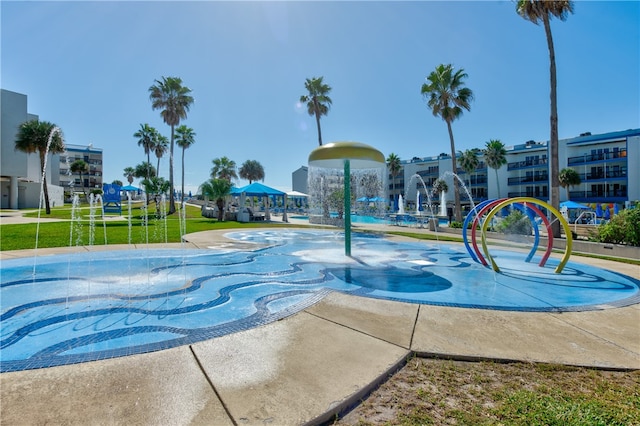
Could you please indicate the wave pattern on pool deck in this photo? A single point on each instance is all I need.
(101, 305)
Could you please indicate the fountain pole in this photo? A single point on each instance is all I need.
(347, 207)
(347, 155)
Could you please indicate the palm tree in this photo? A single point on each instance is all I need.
(495, 156)
(223, 168)
(447, 97)
(469, 163)
(394, 166)
(160, 148)
(440, 186)
(185, 138)
(145, 171)
(536, 11)
(80, 166)
(568, 178)
(318, 100)
(252, 170)
(216, 189)
(174, 100)
(146, 139)
(129, 173)
(45, 138)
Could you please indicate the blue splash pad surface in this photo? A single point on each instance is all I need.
(90, 306)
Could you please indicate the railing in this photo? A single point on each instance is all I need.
(598, 157)
(598, 195)
(527, 163)
(527, 179)
(611, 174)
(543, 196)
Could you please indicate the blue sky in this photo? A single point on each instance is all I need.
(87, 67)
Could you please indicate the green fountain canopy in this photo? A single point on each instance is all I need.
(332, 156)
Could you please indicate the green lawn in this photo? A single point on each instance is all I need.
(59, 234)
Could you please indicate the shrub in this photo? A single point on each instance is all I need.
(515, 223)
(623, 228)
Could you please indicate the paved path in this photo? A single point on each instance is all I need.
(307, 367)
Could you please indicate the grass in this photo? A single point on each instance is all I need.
(439, 392)
(58, 234)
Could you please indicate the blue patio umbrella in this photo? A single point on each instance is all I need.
(598, 210)
(395, 204)
(607, 213)
(362, 199)
(616, 209)
(420, 208)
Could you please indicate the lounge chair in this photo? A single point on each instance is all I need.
(254, 217)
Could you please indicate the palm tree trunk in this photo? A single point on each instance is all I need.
(553, 140)
(44, 184)
(182, 192)
(319, 131)
(456, 187)
(172, 204)
(82, 183)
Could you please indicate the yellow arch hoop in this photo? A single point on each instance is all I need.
(556, 213)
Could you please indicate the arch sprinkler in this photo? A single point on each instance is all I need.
(346, 155)
(532, 203)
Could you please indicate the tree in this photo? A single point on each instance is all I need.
(224, 168)
(145, 171)
(447, 97)
(185, 138)
(495, 156)
(129, 173)
(117, 182)
(80, 167)
(469, 163)
(42, 137)
(252, 170)
(538, 11)
(317, 100)
(170, 96)
(155, 186)
(394, 167)
(146, 139)
(160, 148)
(568, 178)
(440, 186)
(216, 189)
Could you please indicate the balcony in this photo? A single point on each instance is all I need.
(536, 162)
(544, 177)
(598, 158)
(543, 197)
(602, 175)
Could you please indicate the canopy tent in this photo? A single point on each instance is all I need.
(130, 188)
(574, 205)
(257, 189)
(296, 194)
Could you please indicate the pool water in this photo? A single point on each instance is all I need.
(96, 305)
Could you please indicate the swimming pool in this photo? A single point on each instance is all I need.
(388, 220)
(96, 305)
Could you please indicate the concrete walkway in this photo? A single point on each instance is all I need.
(309, 366)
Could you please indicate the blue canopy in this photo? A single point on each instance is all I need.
(256, 189)
(574, 205)
(129, 188)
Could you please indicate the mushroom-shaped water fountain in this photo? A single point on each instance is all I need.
(347, 155)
